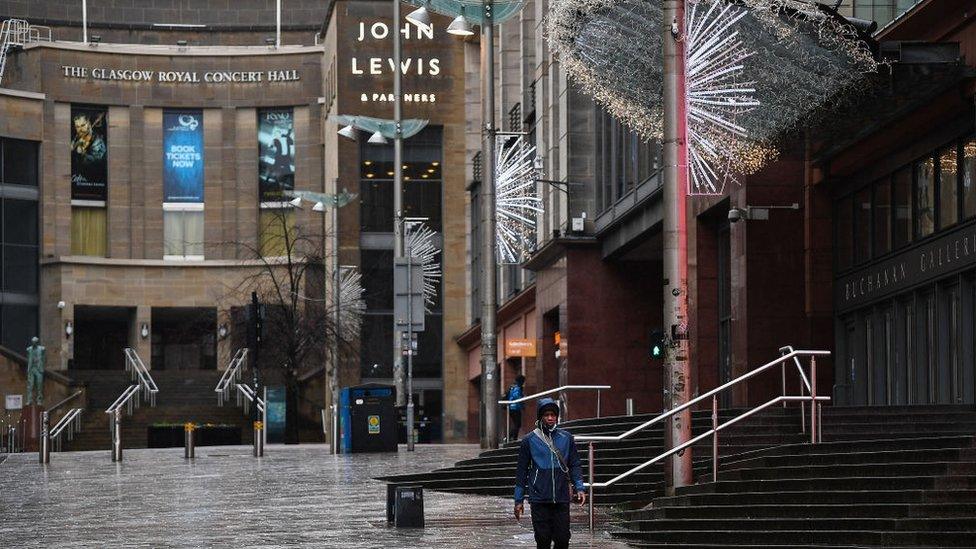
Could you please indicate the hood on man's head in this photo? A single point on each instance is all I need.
(546, 404)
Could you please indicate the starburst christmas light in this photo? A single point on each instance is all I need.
(516, 200)
(419, 243)
(351, 303)
(795, 56)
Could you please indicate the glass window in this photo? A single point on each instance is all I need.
(88, 231)
(948, 187)
(276, 228)
(377, 269)
(422, 198)
(183, 234)
(376, 346)
(845, 234)
(882, 217)
(19, 325)
(376, 205)
(925, 197)
(862, 225)
(19, 162)
(20, 221)
(969, 178)
(20, 269)
(903, 206)
(427, 363)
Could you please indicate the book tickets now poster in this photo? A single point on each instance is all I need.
(276, 160)
(89, 153)
(183, 156)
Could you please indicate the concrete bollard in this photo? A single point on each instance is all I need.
(189, 446)
(258, 439)
(630, 406)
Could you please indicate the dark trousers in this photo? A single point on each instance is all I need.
(550, 521)
(514, 424)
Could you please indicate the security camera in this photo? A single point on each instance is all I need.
(735, 215)
(61, 305)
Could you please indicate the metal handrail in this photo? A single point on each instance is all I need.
(815, 429)
(699, 399)
(64, 401)
(139, 372)
(246, 390)
(596, 388)
(72, 419)
(232, 373)
(125, 398)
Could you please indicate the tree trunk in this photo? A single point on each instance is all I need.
(292, 417)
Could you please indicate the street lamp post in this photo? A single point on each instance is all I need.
(398, 377)
(677, 364)
(489, 298)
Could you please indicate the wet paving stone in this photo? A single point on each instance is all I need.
(295, 496)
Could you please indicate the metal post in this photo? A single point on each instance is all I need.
(117, 435)
(84, 21)
(676, 239)
(715, 438)
(264, 421)
(813, 399)
(782, 370)
(335, 428)
(45, 444)
(398, 237)
(337, 318)
(489, 271)
(409, 348)
(630, 406)
(189, 446)
(597, 403)
(592, 475)
(819, 423)
(258, 437)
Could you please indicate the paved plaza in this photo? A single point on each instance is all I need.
(296, 496)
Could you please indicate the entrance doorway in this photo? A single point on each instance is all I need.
(184, 338)
(101, 333)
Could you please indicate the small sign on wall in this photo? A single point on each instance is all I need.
(516, 347)
(14, 402)
(373, 422)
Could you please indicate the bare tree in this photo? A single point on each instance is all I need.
(289, 276)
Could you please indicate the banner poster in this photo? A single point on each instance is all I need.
(276, 157)
(183, 156)
(89, 153)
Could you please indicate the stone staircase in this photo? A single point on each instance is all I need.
(184, 395)
(882, 477)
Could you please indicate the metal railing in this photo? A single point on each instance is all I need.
(18, 32)
(139, 373)
(564, 412)
(125, 399)
(231, 375)
(247, 392)
(813, 398)
(70, 422)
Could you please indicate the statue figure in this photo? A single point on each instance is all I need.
(35, 371)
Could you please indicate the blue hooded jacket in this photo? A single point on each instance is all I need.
(539, 475)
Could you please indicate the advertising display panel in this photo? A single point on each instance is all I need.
(89, 153)
(276, 159)
(183, 156)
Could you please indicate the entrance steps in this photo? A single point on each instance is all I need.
(882, 477)
(184, 395)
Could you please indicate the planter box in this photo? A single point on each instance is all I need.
(172, 436)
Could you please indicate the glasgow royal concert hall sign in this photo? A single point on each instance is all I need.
(181, 77)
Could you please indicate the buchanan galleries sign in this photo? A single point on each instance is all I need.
(181, 77)
(948, 254)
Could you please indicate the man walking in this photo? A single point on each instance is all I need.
(515, 409)
(548, 467)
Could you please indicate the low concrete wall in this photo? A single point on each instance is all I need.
(13, 381)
